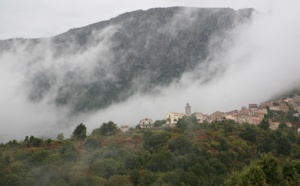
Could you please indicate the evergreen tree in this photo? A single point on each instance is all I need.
(108, 129)
(79, 132)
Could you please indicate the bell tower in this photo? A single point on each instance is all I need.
(188, 109)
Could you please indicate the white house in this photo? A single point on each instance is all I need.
(172, 118)
(124, 128)
(199, 116)
(146, 123)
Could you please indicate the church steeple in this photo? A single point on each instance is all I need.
(188, 109)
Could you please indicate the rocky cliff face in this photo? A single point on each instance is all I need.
(94, 66)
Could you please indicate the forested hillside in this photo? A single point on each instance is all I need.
(217, 153)
(92, 67)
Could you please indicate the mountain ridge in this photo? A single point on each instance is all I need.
(107, 62)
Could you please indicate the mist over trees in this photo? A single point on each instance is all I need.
(105, 63)
(141, 52)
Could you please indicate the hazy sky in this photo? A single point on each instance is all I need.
(261, 60)
(45, 18)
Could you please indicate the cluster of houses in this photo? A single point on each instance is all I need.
(253, 114)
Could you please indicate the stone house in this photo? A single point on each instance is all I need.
(241, 119)
(206, 118)
(233, 113)
(284, 108)
(288, 100)
(293, 103)
(282, 103)
(246, 112)
(260, 115)
(253, 107)
(256, 120)
(264, 110)
(199, 116)
(172, 118)
(249, 119)
(231, 117)
(275, 108)
(273, 125)
(217, 116)
(289, 124)
(266, 104)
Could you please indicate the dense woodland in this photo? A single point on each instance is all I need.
(217, 153)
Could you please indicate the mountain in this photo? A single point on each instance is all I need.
(107, 62)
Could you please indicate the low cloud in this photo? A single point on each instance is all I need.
(258, 60)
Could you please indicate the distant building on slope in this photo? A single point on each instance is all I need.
(146, 123)
(200, 117)
(172, 118)
(217, 116)
(253, 107)
(124, 128)
(266, 104)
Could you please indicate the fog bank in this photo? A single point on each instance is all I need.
(257, 60)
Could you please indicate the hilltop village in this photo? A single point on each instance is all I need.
(253, 114)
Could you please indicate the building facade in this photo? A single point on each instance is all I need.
(146, 123)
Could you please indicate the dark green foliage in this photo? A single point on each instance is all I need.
(265, 171)
(282, 126)
(291, 135)
(289, 170)
(226, 158)
(108, 129)
(251, 175)
(266, 145)
(187, 122)
(159, 123)
(69, 152)
(283, 146)
(14, 180)
(91, 144)
(61, 182)
(223, 145)
(270, 166)
(249, 133)
(206, 155)
(179, 177)
(39, 157)
(48, 141)
(36, 142)
(119, 180)
(153, 140)
(180, 145)
(161, 161)
(107, 167)
(281, 117)
(264, 124)
(79, 132)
